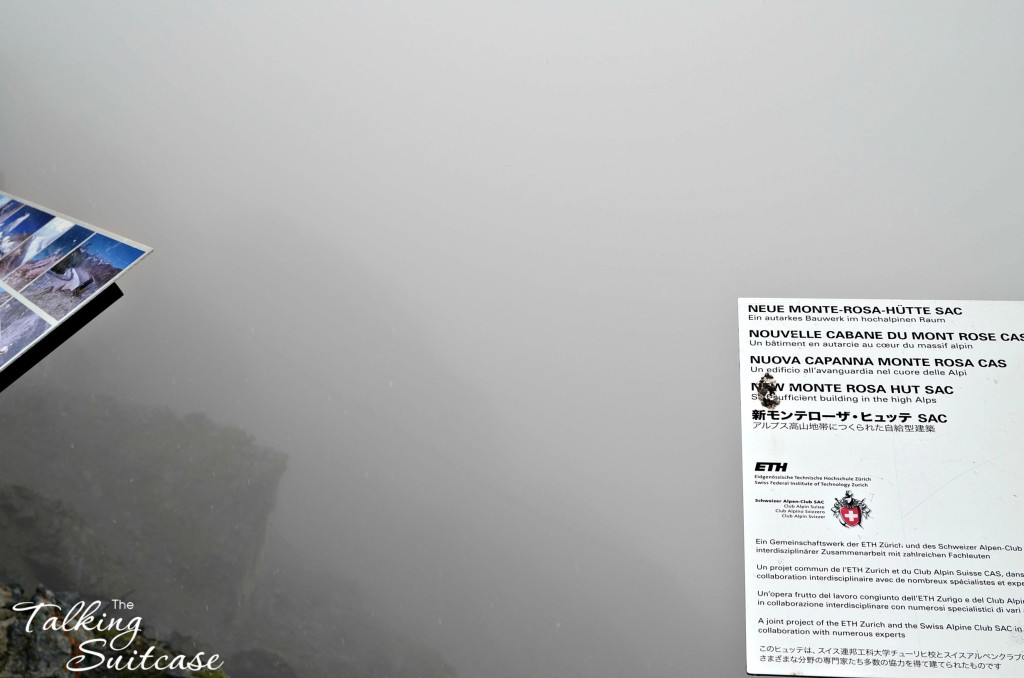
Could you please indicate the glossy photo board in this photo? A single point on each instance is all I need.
(51, 267)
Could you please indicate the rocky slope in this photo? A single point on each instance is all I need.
(109, 500)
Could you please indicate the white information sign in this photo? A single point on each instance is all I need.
(883, 487)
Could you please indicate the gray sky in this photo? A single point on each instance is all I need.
(474, 265)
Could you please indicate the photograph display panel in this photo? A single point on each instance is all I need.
(51, 266)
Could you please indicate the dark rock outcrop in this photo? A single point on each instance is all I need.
(43, 540)
(171, 512)
(182, 502)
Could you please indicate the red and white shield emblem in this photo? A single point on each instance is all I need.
(850, 515)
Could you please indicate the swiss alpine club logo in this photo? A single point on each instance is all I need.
(851, 512)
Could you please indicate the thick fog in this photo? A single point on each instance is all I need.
(473, 267)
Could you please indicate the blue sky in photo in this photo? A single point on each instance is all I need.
(117, 253)
(36, 220)
(65, 243)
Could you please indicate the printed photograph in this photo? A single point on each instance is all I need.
(80, 274)
(8, 206)
(19, 327)
(33, 244)
(19, 226)
(43, 249)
